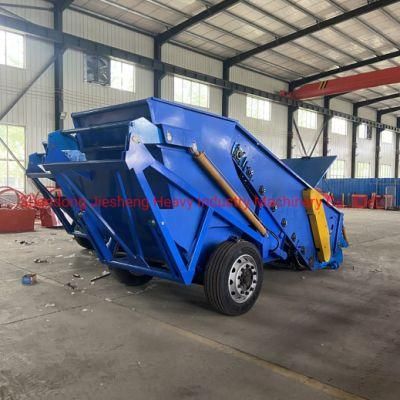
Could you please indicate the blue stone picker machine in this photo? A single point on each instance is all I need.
(159, 189)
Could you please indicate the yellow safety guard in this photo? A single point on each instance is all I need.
(313, 202)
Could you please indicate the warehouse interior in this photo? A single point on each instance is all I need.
(308, 80)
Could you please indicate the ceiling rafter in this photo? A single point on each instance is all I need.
(369, 102)
(388, 110)
(366, 25)
(311, 29)
(345, 68)
(195, 35)
(317, 39)
(238, 37)
(359, 62)
(183, 26)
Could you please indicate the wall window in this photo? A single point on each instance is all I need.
(12, 49)
(385, 171)
(339, 126)
(363, 170)
(258, 108)
(11, 174)
(387, 137)
(337, 170)
(307, 119)
(122, 76)
(191, 92)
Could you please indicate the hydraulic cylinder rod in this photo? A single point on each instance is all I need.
(207, 165)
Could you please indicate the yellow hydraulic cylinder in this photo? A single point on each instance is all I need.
(313, 202)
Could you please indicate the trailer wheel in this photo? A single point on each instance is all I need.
(233, 277)
(130, 279)
(83, 242)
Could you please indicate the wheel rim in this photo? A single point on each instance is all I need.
(243, 278)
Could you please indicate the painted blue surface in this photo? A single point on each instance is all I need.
(368, 186)
(311, 169)
(140, 152)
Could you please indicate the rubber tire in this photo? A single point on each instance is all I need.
(217, 274)
(83, 242)
(130, 279)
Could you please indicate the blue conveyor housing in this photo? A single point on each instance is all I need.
(136, 190)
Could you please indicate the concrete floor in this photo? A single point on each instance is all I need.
(323, 335)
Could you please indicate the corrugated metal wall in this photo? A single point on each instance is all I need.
(80, 95)
(36, 110)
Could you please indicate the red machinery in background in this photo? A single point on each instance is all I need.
(18, 211)
(15, 214)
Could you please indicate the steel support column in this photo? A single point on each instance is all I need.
(290, 134)
(158, 72)
(325, 133)
(58, 70)
(378, 144)
(226, 93)
(354, 142)
(396, 162)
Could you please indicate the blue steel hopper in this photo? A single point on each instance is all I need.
(159, 189)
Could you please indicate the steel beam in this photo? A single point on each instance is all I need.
(91, 47)
(347, 84)
(26, 6)
(371, 6)
(368, 102)
(209, 12)
(348, 67)
(389, 110)
(355, 126)
(396, 162)
(63, 4)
